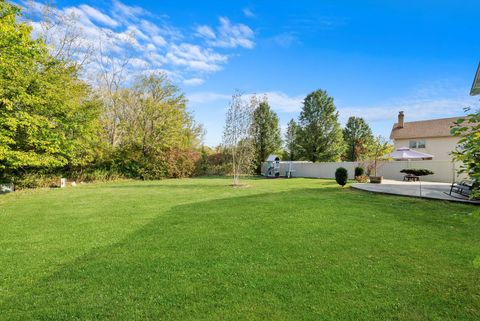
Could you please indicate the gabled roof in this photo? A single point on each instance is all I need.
(424, 128)
(476, 83)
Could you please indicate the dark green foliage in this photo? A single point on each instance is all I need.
(417, 171)
(359, 171)
(265, 134)
(358, 136)
(320, 136)
(48, 117)
(341, 176)
(292, 150)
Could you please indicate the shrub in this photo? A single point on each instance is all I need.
(359, 171)
(36, 180)
(417, 171)
(341, 176)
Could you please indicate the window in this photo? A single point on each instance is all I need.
(417, 143)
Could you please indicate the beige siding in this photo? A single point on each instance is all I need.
(440, 147)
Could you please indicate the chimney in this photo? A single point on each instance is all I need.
(401, 118)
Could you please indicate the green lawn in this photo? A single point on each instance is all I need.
(197, 249)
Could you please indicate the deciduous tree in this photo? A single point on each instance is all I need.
(237, 135)
(468, 149)
(357, 135)
(48, 117)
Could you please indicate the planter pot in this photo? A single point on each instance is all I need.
(376, 179)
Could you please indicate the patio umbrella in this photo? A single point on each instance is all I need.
(405, 153)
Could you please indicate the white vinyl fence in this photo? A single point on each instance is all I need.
(445, 171)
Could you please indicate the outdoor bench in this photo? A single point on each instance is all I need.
(463, 188)
(411, 177)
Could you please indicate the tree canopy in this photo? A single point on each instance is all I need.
(265, 133)
(357, 135)
(48, 117)
(291, 141)
(320, 135)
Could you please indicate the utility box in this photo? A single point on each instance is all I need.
(63, 182)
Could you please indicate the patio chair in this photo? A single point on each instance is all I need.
(463, 188)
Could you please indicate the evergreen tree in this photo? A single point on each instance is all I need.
(357, 135)
(320, 135)
(291, 141)
(265, 133)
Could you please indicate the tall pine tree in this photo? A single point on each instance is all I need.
(265, 133)
(320, 134)
(291, 141)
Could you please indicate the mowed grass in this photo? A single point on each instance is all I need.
(198, 249)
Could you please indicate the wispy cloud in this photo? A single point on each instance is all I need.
(248, 13)
(98, 16)
(420, 109)
(285, 39)
(195, 57)
(227, 35)
(206, 32)
(153, 42)
(194, 81)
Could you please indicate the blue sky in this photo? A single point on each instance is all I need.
(374, 57)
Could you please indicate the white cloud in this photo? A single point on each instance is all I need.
(228, 35)
(415, 109)
(193, 81)
(130, 33)
(125, 11)
(195, 57)
(138, 63)
(248, 13)
(98, 16)
(206, 32)
(149, 27)
(159, 40)
(282, 102)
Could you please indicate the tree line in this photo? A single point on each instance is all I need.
(252, 133)
(53, 123)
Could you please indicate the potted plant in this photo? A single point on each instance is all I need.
(378, 147)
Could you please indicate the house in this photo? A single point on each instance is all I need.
(427, 136)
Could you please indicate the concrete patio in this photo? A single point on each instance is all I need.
(431, 190)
